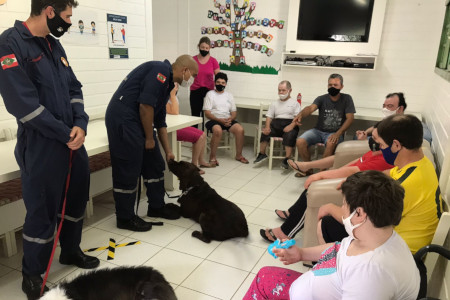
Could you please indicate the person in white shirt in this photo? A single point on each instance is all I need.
(373, 263)
(280, 123)
(220, 109)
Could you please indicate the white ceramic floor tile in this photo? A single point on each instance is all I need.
(185, 243)
(183, 293)
(110, 225)
(275, 202)
(96, 237)
(132, 255)
(230, 182)
(175, 266)
(259, 188)
(238, 255)
(210, 177)
(209, 277)
(11, 286)
(247, 198)
(254, 238)
(240, 293)
(264, 218)
(274, 177)
(5, 270)
(100, 215)
(159, 235)
(247, 210)
(245, 173)
(181, 222)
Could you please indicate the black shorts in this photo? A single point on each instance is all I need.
(210, 124)
(276, 130)
(332, 230)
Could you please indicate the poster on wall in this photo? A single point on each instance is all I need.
(250, 33)
(84, 28)
(117, 30)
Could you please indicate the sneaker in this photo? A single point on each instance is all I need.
(284, 164)
(261, 157)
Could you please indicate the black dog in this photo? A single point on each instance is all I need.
(125, 283)
(219, 218)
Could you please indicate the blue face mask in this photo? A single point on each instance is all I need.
(389, 156)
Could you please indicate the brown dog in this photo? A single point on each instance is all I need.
(219, 218)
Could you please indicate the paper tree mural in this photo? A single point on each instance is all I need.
(235, 32)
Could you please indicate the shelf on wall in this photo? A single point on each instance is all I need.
(356, 62)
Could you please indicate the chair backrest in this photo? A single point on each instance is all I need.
(263, 109)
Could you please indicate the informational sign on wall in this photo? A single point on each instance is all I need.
(117, 30)
(84, 28)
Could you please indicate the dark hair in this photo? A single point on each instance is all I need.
(92, 22)
(221, 75)
(339, 76)
(379, 195)
(59, 5)
(401, 99)
(205, 40)
(406, 129)
(81, 21)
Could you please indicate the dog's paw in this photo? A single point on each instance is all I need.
(201, 237)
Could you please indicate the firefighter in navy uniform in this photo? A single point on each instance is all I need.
(136, 108)
(39, 88)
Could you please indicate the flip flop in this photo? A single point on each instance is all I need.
(242, 160)
(283, 212)
(214, 162)
(296, 168)
(262, 232)
(301, 174)
(209, 165)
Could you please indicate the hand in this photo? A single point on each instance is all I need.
(266, 131)
(289, 127)
(170, 156)
(228, 122)
(150, 144)
(324, 211)
(298, 120)
(174, 91)
(311, 179)
(361, 135)
(77, 136)
(334, 138)
(288, 256)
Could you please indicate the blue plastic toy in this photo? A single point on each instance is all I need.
(279, 245)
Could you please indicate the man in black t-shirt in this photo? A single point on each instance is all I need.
(336, 114)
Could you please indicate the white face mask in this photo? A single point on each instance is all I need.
(283, 97)
(348, 224)
(386, 112)
(189, 82)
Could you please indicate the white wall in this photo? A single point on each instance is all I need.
(99, 75)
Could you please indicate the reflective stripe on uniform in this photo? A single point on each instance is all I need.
(125, 191)
(72, 219)
(153, 180)
(37, 240)
(77, 101)
(32, 115)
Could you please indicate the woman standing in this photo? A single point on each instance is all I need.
(208, 67)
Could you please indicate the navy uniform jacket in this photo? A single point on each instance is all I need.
(38, 85)
(150, 83)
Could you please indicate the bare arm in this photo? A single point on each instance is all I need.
(295, 254)
(347, 123)
(233, 115)
(146, 112)
(210, 116)
(330, 210)
(164, 139)
(330, 174)
(304, 113)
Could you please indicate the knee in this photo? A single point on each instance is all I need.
(301, 143)
(217, 132)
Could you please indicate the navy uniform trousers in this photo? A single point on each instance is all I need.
(44, 165)
(130, 160)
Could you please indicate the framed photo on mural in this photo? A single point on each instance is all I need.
(443, 58)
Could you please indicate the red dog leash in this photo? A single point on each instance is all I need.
(60, 224)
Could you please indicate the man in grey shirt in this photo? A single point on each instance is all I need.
(336, 114)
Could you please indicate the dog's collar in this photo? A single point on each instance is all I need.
(187, 191)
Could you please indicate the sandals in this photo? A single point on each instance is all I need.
(242, 160)
(301, 174)
(207, 165)
(296, 168)
(214, 162)
(262, 232)
(284, 214)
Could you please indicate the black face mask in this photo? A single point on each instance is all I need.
(219, 87)
(57, 26)
(333, 91)
(374, 146)
(204, 53)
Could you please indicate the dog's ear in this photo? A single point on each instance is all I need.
(155, 291)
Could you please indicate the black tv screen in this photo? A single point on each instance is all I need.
(335, 20)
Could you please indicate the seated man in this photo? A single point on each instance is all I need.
(336, 114)
(294, 218)
(220, 109)
(400, 138)
(394, 104)
(279, 123)
(189, 134)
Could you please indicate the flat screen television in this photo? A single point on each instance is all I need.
(335, 20)
(335, 27)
